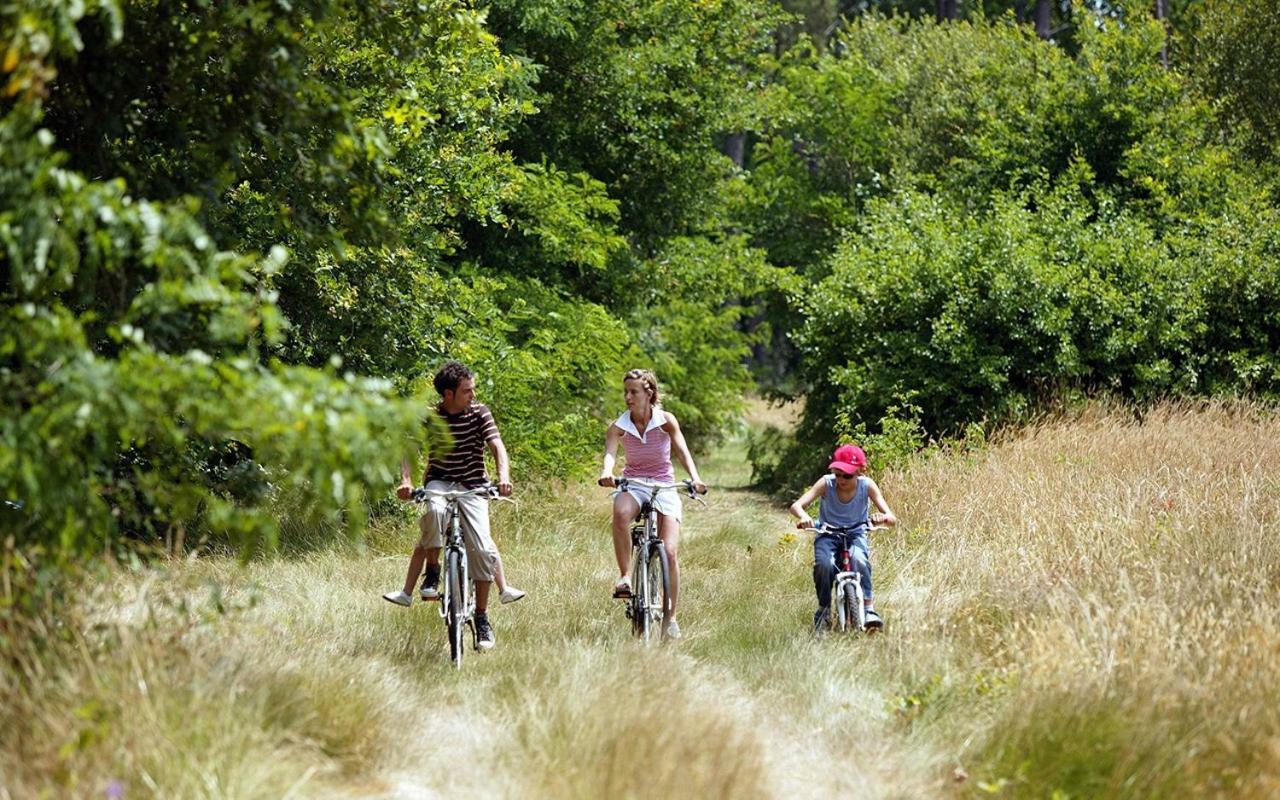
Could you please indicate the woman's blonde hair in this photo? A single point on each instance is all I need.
(649, 380)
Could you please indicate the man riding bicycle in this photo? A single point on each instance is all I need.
(471, 428)
(846, 500)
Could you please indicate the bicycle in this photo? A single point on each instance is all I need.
(457, 596)
(847, 598)
(650, 600)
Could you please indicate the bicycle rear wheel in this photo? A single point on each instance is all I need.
(658, 597)
(456, 613)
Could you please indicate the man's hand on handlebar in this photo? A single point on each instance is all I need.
(505, 488)
(405, 491)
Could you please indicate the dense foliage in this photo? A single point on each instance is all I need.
(421, 191)
(239, 238)
(997, 224)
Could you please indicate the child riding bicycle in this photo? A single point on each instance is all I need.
(472, 428)
(846, 500)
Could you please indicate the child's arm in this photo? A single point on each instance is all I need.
(886, 515)
(797, 509)
(611, 438)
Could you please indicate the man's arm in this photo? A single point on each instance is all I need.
(405, 490)
(797, 508)
(499, 451)
(611, 438)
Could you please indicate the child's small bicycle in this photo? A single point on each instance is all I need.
(847, 598)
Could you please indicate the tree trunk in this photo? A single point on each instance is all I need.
(735, 147)
(1020, 10)
(1162, 14)
(1044, 9)
(947, 9)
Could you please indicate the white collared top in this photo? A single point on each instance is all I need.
(648, 452)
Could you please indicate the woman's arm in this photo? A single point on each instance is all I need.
(611, 438)
(797, 509)
(886, 515)
(672, 427)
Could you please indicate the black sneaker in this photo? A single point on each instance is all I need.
(431, 583)
(874, 623)
(484, 632)
(821, 620)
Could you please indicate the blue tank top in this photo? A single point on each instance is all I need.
(854, 512)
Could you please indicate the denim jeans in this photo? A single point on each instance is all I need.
(825, 548)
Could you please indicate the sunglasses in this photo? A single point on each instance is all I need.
(845, 475)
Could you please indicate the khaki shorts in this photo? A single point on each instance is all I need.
(473, 513)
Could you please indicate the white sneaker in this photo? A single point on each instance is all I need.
(399, 598)
(673, 629)
(512, 594)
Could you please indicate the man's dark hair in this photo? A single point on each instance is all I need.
(449, 376)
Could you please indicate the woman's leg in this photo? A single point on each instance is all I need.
(669, 533)
(625, 509)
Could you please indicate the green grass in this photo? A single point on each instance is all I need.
(1055, 604)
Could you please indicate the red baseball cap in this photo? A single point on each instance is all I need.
(848, 458)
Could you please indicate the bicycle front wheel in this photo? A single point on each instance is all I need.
(658, 594)
(842, 617)
(456, 613)
(852, 603)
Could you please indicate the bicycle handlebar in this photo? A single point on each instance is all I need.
(687, 485)
(488, 491)
(866, 525)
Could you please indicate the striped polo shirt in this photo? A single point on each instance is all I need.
(462, 460)
(648, 452)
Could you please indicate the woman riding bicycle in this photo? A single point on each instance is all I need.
(648, 434)
(846, 500)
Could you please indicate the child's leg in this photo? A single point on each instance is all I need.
(861, 558)
(824, 568)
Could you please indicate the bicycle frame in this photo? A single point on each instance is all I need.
(457, 596)
(847, 598)
(649, 603)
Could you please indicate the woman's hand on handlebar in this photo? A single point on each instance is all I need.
(699, 487)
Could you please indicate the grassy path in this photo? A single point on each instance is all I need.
(1040, 641)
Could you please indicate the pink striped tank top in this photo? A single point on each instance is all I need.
(649, 452)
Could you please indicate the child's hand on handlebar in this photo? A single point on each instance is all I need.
(607, 480)
(804, 523)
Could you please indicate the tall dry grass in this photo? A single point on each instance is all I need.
(1087, 606)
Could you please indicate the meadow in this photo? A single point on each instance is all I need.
(1086, 606)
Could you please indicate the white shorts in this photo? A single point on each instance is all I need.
(667, 502)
